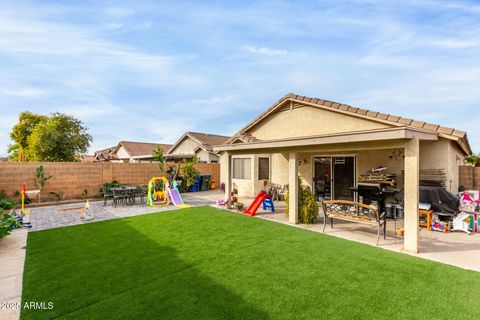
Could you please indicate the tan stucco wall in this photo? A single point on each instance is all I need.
(185, 147)
(122, 153)
(203, 156)
(442, 154)
(309, 121)
(223, 168)
(246, 187)
(279, 168)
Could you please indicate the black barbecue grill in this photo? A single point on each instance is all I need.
(370, 192)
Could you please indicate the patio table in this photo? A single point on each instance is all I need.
(129, 193)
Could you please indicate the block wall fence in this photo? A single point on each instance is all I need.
(73, 178)
(469, 177)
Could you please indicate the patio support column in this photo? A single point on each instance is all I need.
(412, 197)
(292, 188)
(228, 176)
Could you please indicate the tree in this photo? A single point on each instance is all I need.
(60, 138)
(158, 156)
(27, 122)
(13, 151)
(40, 179)
(189, 171)
(473, 159)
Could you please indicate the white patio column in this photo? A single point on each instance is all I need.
(228, 174)
(412, 194)
(292, 188)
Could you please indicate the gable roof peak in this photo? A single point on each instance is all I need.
(362, 113)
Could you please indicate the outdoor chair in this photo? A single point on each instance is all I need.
(107, 194)
(119, 197)
(141, 192)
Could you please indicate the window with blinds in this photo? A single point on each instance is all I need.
(242, 168)
(263, 168)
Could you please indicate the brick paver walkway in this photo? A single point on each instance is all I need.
(69, 214)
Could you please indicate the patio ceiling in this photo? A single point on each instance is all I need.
(384, 135)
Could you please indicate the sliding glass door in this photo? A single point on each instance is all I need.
(334, 178)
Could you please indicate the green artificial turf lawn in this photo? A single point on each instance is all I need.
(203, 263)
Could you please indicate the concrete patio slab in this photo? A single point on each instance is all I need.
(12, 259)
(454, 248)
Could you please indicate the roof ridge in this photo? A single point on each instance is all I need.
(379, 115)
(207, 134)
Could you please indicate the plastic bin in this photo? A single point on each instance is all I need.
(205, 182)
(196, 186)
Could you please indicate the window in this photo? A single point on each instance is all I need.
(241, 168)
(263, 168)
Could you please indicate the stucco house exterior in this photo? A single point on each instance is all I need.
(136, 152)
(314, 138)
(196, 144)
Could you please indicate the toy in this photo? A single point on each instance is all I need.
(474, 221)
(462, 223)
(25, 214)
(158, 192)
(440, 226)
(175, 196)
(262, 198)
(87, 213)
(222, 203)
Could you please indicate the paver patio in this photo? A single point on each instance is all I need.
(67, 215)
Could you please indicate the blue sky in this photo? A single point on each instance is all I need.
(150, 70)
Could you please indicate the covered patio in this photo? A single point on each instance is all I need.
(354, 143)
(334, 148)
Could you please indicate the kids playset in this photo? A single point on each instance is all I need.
(161, 194)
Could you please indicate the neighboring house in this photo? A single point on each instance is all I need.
(330, 145)
(129, 151)
(87, 158)
(104, 155)
(196, 144)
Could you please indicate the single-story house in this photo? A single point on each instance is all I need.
(332, 145)
(196, 144)
(87, 158)
(136, 152)
(104, 155)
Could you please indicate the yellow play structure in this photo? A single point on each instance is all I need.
(158, 192)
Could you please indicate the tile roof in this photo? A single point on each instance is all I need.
(142, 148)
(206, 140)
(369, 114)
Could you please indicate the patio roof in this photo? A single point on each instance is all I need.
(397, 133)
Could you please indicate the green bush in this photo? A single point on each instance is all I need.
(307, 204)
(7, 223)
(110, 185)
(7, 203)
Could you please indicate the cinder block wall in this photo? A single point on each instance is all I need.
(469, 177)
(74, 178)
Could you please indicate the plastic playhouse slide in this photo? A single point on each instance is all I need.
(177, 198)
(261, 197)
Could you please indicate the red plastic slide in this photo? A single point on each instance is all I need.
(256, 204)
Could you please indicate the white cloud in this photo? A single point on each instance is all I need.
(457, 43)
(266, 51)
(213, 100)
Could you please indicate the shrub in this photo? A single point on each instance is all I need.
(7, 203)
(7, 223)
(108, 186)
(189, 171)
(307, 204)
